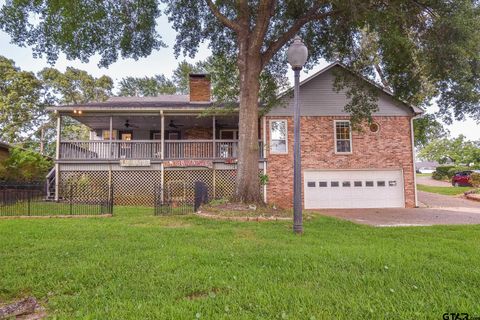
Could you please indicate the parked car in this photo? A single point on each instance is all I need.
(462, 178)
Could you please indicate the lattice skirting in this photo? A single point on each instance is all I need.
(138, 187)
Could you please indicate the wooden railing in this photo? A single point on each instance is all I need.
(150, 149)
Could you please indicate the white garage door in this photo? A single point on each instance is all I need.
(353, 189)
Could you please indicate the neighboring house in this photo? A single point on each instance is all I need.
(426, 166)
(4, 150)
(143, 144)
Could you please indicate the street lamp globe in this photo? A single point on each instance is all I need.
(297, 53)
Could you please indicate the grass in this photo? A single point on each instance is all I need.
(138, 266)
(448, 191)
(46, 208)
(424, 174)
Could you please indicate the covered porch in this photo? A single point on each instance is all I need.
(153, 137)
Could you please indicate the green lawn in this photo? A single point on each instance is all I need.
(424, 174)
(448, 191)
(137, 266)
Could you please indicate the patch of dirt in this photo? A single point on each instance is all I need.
(25, 309)
(243, 211)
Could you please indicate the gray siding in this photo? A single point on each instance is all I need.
(318, 98)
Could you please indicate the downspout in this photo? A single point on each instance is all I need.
(413, 157)
(264, 134)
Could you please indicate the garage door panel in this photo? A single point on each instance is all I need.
(356, 189)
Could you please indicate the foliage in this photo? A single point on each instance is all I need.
(446, 191)
(82, 28)
(459, 150)
(22, 107)
(182, 72)
(178, 267)
(475, 179)
(428, 128)
(146, 86)
(263, 179)
(443, 171)
(24, 166)
(75, 86)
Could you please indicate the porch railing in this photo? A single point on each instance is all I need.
(150, 149)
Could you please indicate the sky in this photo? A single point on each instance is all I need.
(164, 62)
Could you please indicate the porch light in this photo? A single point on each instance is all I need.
(297, 55)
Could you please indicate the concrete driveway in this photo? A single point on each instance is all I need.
(429, 181)
(434, 209)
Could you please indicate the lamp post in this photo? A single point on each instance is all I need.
(297, 56)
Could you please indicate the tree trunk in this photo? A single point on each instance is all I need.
(248, 181)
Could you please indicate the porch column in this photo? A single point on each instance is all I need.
(162, 135)
(214, 155)
(57, 157)
(110, 142)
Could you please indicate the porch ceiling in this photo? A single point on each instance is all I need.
(154, 122)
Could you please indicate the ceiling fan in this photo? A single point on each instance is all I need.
(172, 124)
(129, 125)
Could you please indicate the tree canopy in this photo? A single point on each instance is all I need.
(22, 103)
(459, 150)
(24, 97)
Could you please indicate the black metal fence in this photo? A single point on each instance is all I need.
(20, 199)
(180, 199)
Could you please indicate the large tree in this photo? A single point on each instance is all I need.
(423, 48)
(22, 103)
(73, 86)
(459, 150)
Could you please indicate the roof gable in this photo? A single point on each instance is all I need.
(318, 97)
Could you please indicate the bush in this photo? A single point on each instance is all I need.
(447, 172)
(475, 179)
(443, 171)
(24, 166)
(438, 176)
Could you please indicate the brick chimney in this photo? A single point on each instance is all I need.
(199, 87)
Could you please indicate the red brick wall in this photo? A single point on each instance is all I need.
(198, 134)
(389, 148)
(199, 88)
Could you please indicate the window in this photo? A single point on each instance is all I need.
(343, 137)
(374, 127)
(322, 184)
(278, 136)
(311, 184)
(346, 184)
(368, 183)
(357, 183)
(392, 183)
(334, 184)
(380, 183)
(106, 134)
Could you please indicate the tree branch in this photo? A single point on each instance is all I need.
(223, 19)
(311, 15)
(265, 12)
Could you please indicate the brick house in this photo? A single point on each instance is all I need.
(142, 144)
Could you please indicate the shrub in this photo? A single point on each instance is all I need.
(454, 170)
(24, 166)
(443, 171)
(438, 176)
(475, 179)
